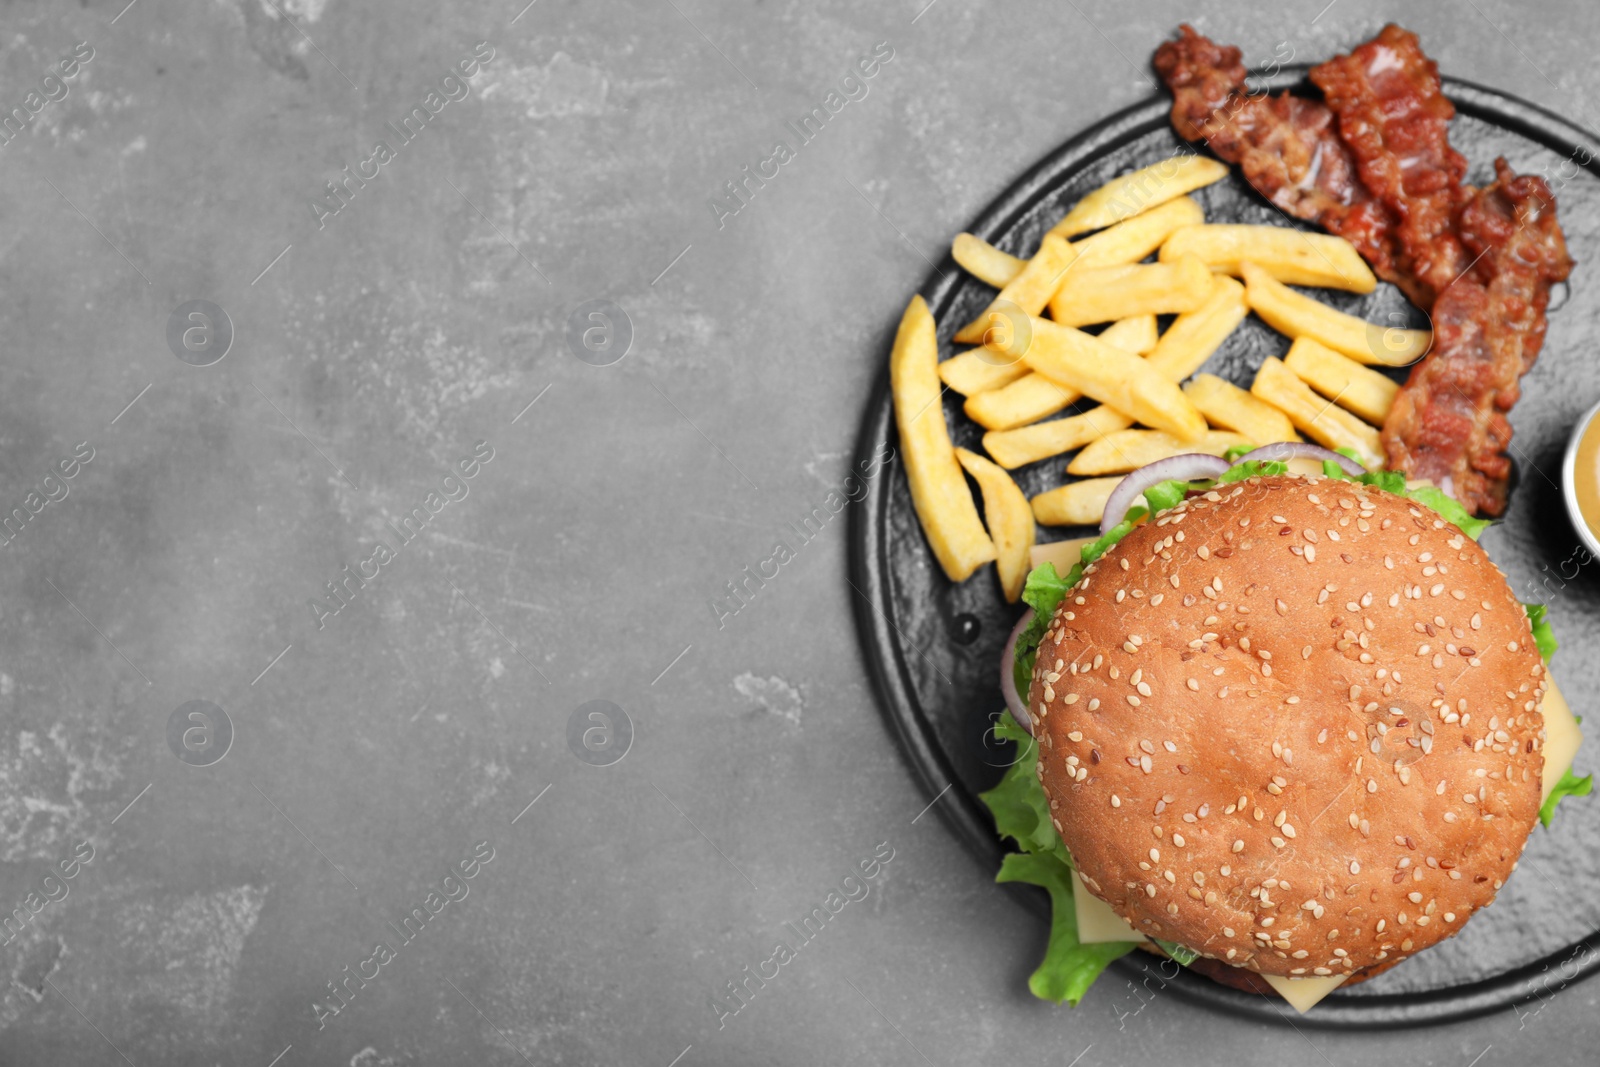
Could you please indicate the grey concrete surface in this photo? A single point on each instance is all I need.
(373, 749)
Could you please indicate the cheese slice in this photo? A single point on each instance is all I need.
(1305, 465)
(1097, 923)
(1303, 994)
(1063, 555)
(1561, 737)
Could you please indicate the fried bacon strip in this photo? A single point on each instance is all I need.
(1287, 147)
(1396, 122)
(1374, 164)
(1448, 423)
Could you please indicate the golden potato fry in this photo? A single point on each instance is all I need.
(938, 489)
(978, 370)
(1297, 315)
(1226, 405)
(1192, 338)
(1027, 293)
(1126, 242)
(1342, 380)
(1062, 555)
(1291, 256)
(1034, 397)
(1186, 345)
(1102, 294)
(1138, 333)
(1128, 450)
(984, 261)
(1321, 420)
(1133, 239)
(1121, 379)
(1025, 401)
(1131, 194)
(1029, 444)
(1075, 504)
(1009, 518)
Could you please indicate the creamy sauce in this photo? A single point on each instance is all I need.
(1586, 476)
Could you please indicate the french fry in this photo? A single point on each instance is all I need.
(938, 489)
(1034, 397)
(1182, 350)
(1140, 191)
(1029, 291)
(1120, 379)
(1101, 294)
(1342, 380)
(1029, 444)
(1128, 450)
(1192, 338)
(1131, 240)
(1321, 420)
(1226, 405)
(978, 370)
(1074, 504)
(1023, 402)
(1137, 333)
(1010, 521)
(984, 261)
(1297, 315)
(1291, 256)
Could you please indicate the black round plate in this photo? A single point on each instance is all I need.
(933, 646)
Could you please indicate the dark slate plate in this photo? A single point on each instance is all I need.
(933, 646)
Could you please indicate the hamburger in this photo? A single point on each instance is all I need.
(1287, 729)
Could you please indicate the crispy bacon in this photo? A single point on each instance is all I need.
(1287, 146)
(1396, 122)
(1448, 424)
(1374, 164)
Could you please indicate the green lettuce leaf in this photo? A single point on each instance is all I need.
(1254, 469)
(1450, 510)
(1042, 592)
(1022, 813)
(1182, 954)
(1543, 635)
(1164, 495)
(1233, 454)
(1069, 967)
(1018, 803)
(1569, 786)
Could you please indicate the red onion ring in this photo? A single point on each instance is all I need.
(1008, 676)
(1286, 450)
(1185, 468)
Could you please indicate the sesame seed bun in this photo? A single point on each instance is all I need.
(1292, 724)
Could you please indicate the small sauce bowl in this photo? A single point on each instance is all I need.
(1580, 479)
